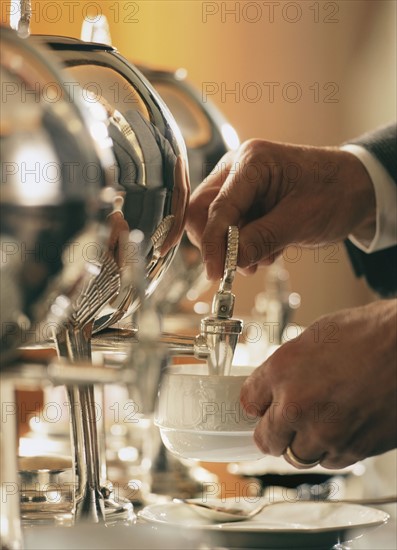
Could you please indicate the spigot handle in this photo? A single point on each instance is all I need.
(223, 302)
(230, 260)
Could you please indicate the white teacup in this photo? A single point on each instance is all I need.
(200, 415)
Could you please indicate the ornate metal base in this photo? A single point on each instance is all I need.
(47, 494)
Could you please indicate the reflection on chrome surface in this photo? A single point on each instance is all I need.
(152, 184)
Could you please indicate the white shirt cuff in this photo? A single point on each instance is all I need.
(386, 202)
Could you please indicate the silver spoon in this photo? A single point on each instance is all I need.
(223, 514)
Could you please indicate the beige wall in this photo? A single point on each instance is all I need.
(348, 45)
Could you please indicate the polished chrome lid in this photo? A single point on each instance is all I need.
(152, 182)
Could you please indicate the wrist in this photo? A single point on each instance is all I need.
(362, 197)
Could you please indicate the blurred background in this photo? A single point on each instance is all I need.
(302, 72)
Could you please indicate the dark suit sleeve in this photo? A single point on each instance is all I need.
(379, 268)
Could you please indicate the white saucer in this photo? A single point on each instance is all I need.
(285, 525)
(272, 465)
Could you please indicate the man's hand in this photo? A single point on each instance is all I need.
(279, 194)
(330, 393)
(118, 239)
